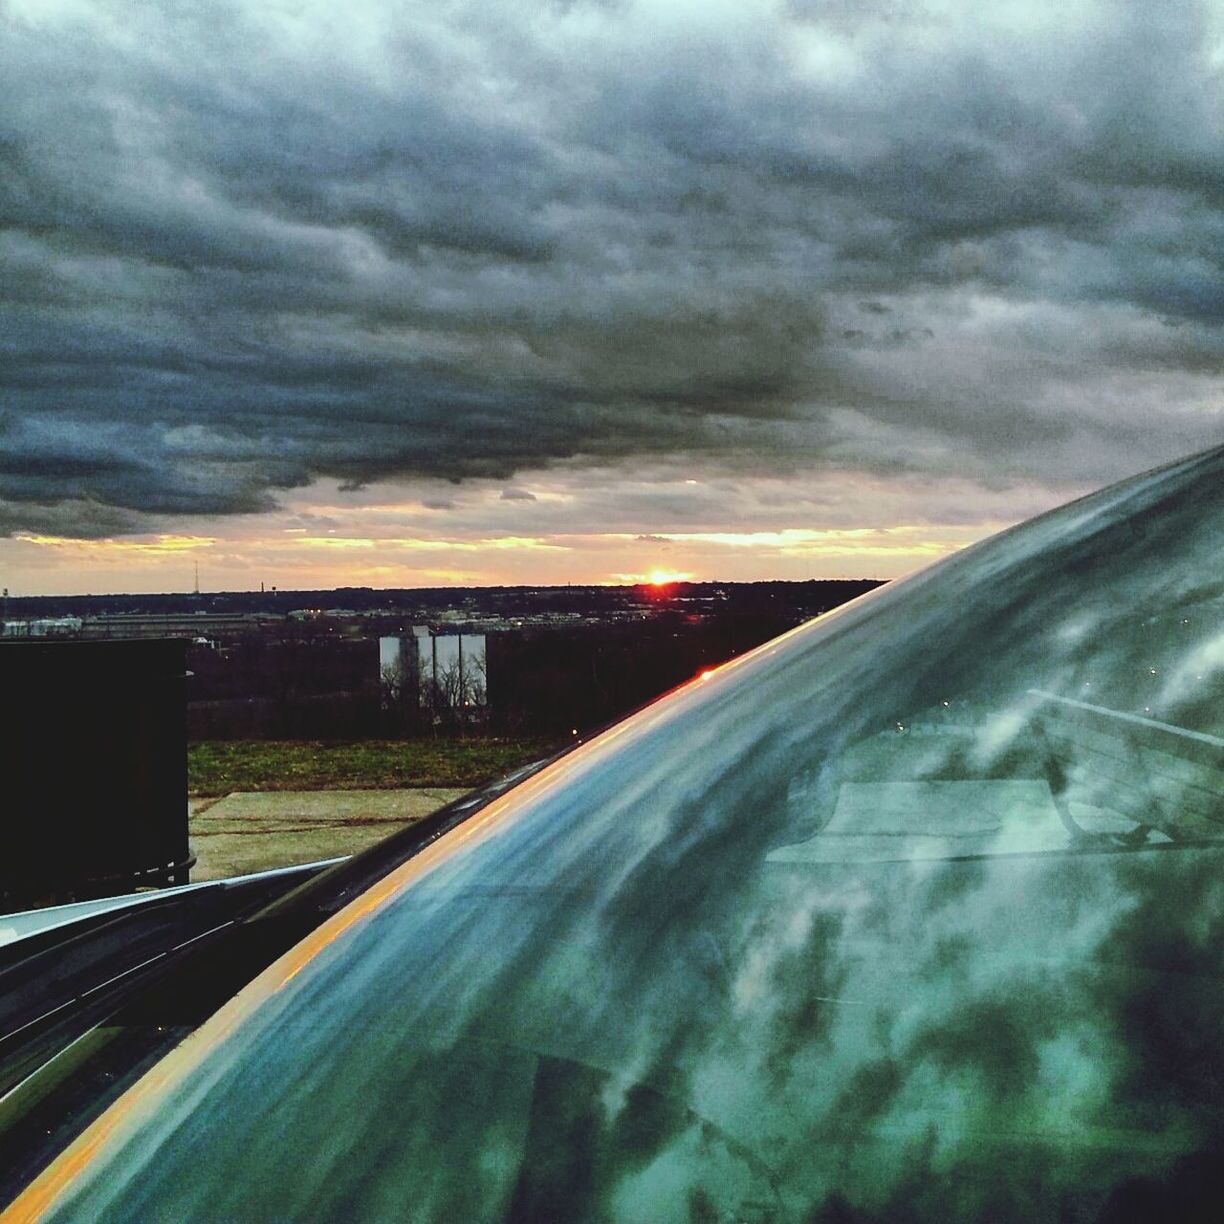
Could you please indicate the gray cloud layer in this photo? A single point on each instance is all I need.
(242, 246)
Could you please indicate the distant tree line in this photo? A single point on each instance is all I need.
(539, 681)
(804, 598)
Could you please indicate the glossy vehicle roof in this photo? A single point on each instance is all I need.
(914, 913)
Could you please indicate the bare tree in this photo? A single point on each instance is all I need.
(392, 680)
(457, 693)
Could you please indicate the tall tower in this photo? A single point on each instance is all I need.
(197, 577)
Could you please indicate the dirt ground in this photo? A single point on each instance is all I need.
(247, 831)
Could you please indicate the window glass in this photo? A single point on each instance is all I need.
(917, 913)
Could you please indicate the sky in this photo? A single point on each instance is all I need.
(440, 293)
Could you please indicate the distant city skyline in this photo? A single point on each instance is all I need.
(470, 293)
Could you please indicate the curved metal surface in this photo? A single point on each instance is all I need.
(809, 939)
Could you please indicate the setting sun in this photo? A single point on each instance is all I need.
(662, 577)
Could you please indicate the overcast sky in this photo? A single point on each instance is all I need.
(400, 294)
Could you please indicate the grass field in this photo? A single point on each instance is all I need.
(217, 767)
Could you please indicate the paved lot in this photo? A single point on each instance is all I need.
(247, 832)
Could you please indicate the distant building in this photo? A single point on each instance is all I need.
(48, 626)
(177, 624)
(447, 670)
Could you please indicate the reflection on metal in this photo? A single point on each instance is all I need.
(756, 954)
(17, 926)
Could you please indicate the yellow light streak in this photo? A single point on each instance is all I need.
(159, 544)
(423, 544)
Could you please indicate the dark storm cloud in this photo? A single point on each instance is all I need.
(245, 246)
(79, 519)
